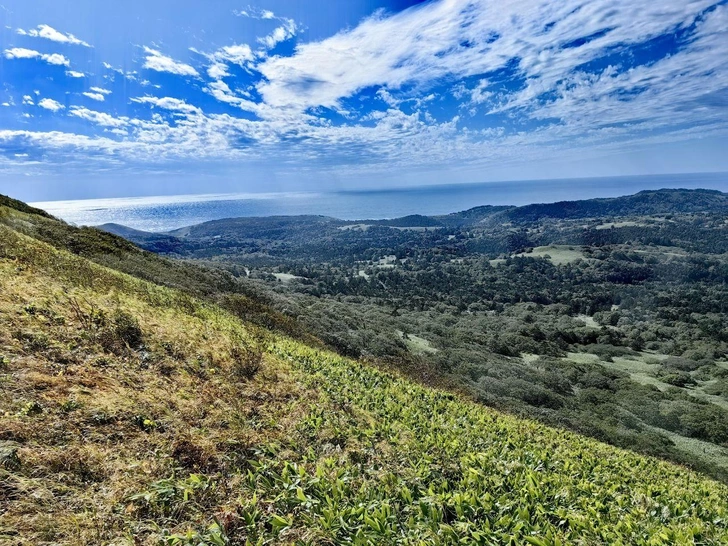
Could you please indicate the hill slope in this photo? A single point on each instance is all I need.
(648, 202)
(138, 414)
(108, 249)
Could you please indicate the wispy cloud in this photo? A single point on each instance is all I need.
(168, 103)
(98, 118)
(454, 39)
(239, 54)
(280, 34)
(49, 33)
(155, 60)
(255, 13)
(75, 74)
(50, 58)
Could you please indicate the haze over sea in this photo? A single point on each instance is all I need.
(165, 213)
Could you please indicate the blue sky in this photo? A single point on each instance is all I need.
(105, 99)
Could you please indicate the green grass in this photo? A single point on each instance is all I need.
(696, 447)
(416, 344)
(459, 473)
(557, 254)
(642, 372)
(164, 443)
(286, 277)
(611, 225)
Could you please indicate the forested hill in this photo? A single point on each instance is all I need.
(268, 227)
(644, 203)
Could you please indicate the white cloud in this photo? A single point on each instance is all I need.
(94, 96)
(49, 33)
(243, 55)
(238, 54)
(218, 71)
(56, 58)
(168, 103)
(255, 13)
(28, 100)
(61, 140)
(493, 58)
(100, 90)
(99, 118)
(22, 53)
(75, 74)
(155, 60)
(222, 92)
(50, 104)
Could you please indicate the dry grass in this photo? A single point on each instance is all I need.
(96, 422)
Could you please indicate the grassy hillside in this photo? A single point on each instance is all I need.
(115, 252)
(139, 414)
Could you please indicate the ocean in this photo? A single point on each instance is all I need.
(170, 212)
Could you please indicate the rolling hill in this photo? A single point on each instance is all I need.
(135, 413)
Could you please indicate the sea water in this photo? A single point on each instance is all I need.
(170, 212)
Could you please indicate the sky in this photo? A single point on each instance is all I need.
(161, 97)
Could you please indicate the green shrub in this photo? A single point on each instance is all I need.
(678, 379)
(719, 388)
(681, 364)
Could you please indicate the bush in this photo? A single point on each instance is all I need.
(127, 329)
(719, 388)
(246, 360)
(531, 394)
(123, 333)
(681, 364)
(678, 379)
(607, 352)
